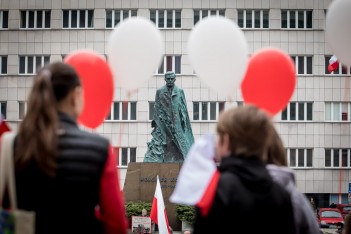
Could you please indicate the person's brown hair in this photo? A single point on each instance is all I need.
(249, 130)
(276, 152)
(37, 138)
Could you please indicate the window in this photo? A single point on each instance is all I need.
(124, 155)
(298, 111)
(113, 17)
(337, 158)
(337, 111)
(35, 19)
(3, 64)
(122, 111)
(4, 19)
(78, 18)
(166, 18)
(151, 110)
(207, 110)
(253, 18)
(28, 65)
(342, 70)
(170, 63)
(200, 14)
(299, 157)
(303, 64)
(296, 19)
(3, 107)
(22, 109)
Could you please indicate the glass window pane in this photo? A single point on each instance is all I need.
(336, 158)
(204, 107)
(74, 16)
(133, 110)
(196, 16)
(3, 109)
(117, 17)
(90, 18)
(31, 19)
(178, 20)
(257, 19)
(326, 64)
(169, 64)
(309, 111)
(336, 111)
(301, 65)
(5, 19)
(248, 19)
(133, 13)
(39, 19)
(221, 106)
(116, 111)
(160, 69)
(213, 12)
(344, 157)
(169, 19)
(195, 111)
(124, 161)
(125, 14)
(241, 19)
(151, 110)
(301, 111)
(65, 19)
(108, 117)
(82, 19)
(327, 160)
(292, 111)
(301, 158)
(46, 60)
(47, 19)
(285, 114)
(309, 65)
(177, 65)
(124, 110)
(20, 110)
(161, 19)
(328, 111)
(265, 19)
(284, 16)
(222, 12)
(213, 111)
(300, 16)
(293, 157)
(204, 13)
(132, 154)
(308, 19)
(4, 65)
(38, 64)
(292, 19)
(344, 110)
(153, 16)
(22, 65)
(30, 65)
(309, 158)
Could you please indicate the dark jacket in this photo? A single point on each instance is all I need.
(65, 204)
(247, 201)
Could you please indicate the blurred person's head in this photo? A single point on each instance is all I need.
(243, 131)
(276, 153)
(56, 88)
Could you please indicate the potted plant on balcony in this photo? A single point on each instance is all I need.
(186, 214)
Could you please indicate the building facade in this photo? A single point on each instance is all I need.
(315, 126)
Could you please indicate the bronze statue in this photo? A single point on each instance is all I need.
(172, 136)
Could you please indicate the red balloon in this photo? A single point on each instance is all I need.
(269, 81)
(97, 82)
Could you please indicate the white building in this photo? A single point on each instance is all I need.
(315, 127)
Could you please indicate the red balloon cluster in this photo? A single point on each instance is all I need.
(270, 80)
(97, 82)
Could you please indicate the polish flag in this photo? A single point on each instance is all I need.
(4, 127)
(158, 211)
(333, 64)
(198, 177)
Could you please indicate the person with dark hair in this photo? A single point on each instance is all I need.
(247, 200)
(305, 219)
(62, 173)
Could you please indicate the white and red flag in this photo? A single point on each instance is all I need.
(158, 211)
(4, 127)
(198, 177)
(333, 64)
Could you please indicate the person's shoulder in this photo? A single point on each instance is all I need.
(88, 137)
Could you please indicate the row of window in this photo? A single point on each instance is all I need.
(296, 157)
(248, 18)
(28, 64)
(209, 111)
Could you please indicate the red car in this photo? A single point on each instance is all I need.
(329, 217)
(344, 209)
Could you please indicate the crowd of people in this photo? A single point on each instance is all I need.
(69, 176)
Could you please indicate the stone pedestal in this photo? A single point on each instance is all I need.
(140, 185)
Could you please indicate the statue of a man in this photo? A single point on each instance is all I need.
(172, 136)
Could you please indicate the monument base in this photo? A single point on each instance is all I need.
(140, 185)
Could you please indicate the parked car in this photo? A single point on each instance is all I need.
(329, 217)
(344, 209)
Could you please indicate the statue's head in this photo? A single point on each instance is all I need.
(170, 78)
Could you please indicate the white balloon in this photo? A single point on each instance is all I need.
(135, 49)
(338, 30)
(218, 52)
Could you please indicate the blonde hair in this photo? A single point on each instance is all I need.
(249, 129)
